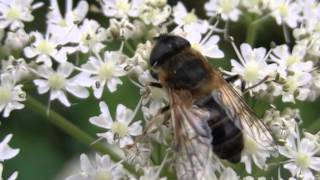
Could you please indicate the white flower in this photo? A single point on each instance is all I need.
(228, 174)
(286, 11)
(155, 15)
(120, 29)
(310, 9)
(296, 85)
(286, 59)
(14, 12)
(255, 6)
(189, 20)
(120, 8)
(301, 156)
(91, 36)
(10, 95)
(99, 73)
(102, 169)
(295, 73)
(228, 9)
(44, 49)
(121, 129)
(282, 125)
(13, 176)
(253, 66)
(254, 151)
(6, 152)
(64, 28)
(17, 40)
(206, 46)
(18, 68)
(57, 83)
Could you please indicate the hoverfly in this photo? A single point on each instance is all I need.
(207, 113)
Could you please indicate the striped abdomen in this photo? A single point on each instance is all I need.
(227, 138)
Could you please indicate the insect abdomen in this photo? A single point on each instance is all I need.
(227, 138)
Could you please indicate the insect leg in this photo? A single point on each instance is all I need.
(163, 111)
(255, 85)
(155, 84)
(233, 78)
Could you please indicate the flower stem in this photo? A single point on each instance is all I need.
(129, 47)
(74, 131)
(252, 29)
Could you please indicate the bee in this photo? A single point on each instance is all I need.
(207, 114)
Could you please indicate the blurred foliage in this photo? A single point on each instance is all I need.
(44, 149)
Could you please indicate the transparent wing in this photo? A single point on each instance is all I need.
(194, 157)
(238, 110)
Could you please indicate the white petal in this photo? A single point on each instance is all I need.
(104, 109)
(85, 164)
(6, 152)
(135, 129)
(113, 83)
(123, 114)
(30, 52)
(315, 163)
(78, 91)
(13, 176)
(97, 91)
(42, 85)
(44, 71)
(246, 50)
(127, 140)
(65, 69)
(109, 136)
(101, 122)
(292, 168)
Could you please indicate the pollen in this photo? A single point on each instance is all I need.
(303, 160)
(292, 60)
(290, 85)
(13, 13)
(45, 47)
(5, 95)
(56, 81)
(62, 23)
(226, 5)
(190, 18)
(251, 72)
(120, 129)
(106, 70)
(123, 5)
(283, 10)
(103, 174)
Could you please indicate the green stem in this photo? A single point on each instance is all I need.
(129, 47)
(314, 127)
(74, 131)
(252, 29)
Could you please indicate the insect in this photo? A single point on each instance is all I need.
(207, 113)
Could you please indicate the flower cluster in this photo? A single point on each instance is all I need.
(77, 55)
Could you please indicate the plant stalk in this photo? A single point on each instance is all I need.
(74, 131)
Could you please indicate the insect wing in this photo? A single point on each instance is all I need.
(194, 157)
(238, 110)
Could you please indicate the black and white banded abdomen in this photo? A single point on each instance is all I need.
(227, 138)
